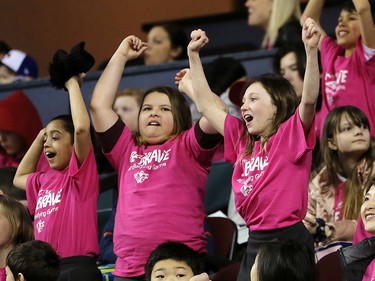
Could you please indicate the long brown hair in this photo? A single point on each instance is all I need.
(283, 97)
(19, 218)
(354, 188)
(182, 120)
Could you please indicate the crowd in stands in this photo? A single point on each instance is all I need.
(300, 139)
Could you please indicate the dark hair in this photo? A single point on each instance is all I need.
(222, 72)
(369, 184)
(175, 251)
(178, 38)
(36, 260)
(285, 260)
(182, 120)
(283, 97)
(67, 124)
(4, 48)
(6, 183)
(298, 50)
(348, 6)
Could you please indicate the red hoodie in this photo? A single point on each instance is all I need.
(19, 115)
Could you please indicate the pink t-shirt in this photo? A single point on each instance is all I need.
(2, 274)
(270, 187)
(347, 81)
(370, 272)
(7, 161)
(63, 204)
(161, 194)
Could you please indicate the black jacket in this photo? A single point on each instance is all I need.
(356, 258)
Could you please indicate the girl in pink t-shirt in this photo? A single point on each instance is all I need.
(63, 199)
(336, 193)
(271, 147)
(162, 168)
(348, 63)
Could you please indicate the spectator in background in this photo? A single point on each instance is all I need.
(17, 66)
(19, 125)
(166, 43)
(290, 62)
(336, 193)
(278, 18)
(16, 227)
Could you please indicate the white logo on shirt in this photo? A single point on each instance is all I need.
(40, 226)
(257, 164)
(141, 176)
(48, 199)
(334, 83)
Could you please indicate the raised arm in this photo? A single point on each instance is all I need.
(314, 10)
(310, 37)
(184, 82)
(80, 116)
(29, 162)
(366, 23)
(213, 109)
(102, 114)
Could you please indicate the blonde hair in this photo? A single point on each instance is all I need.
(282, 12)
(132, 92)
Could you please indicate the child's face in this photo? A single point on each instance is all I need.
(127, 108)
(57, 146)
(289, 70)
(9, 274)
(258, 111)
(368, 210)
(156, 119)
(12, 143)
(350, 140)
(171, 270)
(348, 29)
(6, 232)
